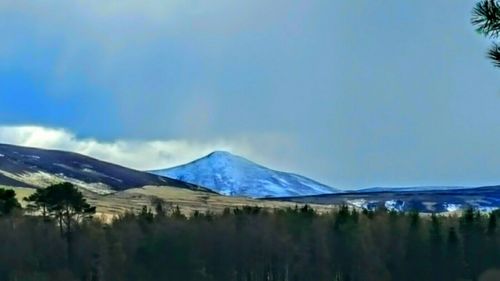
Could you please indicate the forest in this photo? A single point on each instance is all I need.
(64, 242)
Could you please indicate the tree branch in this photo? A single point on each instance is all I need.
(494, 54)
(486, 16)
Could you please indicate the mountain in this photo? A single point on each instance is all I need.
(484, 198)
(33, 167)
(233, 175)
(410, 188)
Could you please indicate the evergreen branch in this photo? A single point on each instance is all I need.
(494, 54)
(486, 16)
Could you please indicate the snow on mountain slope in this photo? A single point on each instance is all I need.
(230, 174)
(33, 167)
(485, 199)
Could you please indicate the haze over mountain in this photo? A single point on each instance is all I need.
(230, 174)
(33, 167)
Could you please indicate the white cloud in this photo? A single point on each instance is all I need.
(142, 155)
(194, 69)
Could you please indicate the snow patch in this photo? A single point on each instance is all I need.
(359, 203)
(430, 206)
(487, 209)
(394, 205)
(43, 179)
(234, 175)
(452, 207)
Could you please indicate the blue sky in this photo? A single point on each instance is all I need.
(351, 93)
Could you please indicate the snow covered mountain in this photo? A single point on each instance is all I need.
(233, 175)
(32, 167)
(485, 198)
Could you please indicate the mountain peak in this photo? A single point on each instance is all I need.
(221, 154)
(230, 174)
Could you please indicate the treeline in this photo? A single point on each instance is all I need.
(248, 244)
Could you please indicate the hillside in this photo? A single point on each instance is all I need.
(33, 167)
(233, 175)
(423, 200)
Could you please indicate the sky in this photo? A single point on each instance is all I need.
(351, 93)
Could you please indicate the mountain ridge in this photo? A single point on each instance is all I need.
(36, 167)
(483, 198)
(230, 174)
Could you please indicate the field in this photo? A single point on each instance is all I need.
(188, 201)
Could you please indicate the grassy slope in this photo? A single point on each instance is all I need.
(188, 200)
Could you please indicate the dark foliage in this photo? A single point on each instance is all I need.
(67, 206)
(250, 243)
(63, 202)
(494, 54)
(8, 201)
(486, 18)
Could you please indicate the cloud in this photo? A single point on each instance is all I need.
(285, 84)
(152, 55)
(142, 155)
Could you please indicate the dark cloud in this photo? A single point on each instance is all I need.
(353, 94)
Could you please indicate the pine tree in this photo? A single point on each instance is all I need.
(66, 205)
(436, 248)
(37, 202)
(454, 261)
(486, 18)
(492, 223)
(8, 201)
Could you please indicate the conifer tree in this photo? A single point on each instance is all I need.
(64, 203)
(486, 18)
(8, 201)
